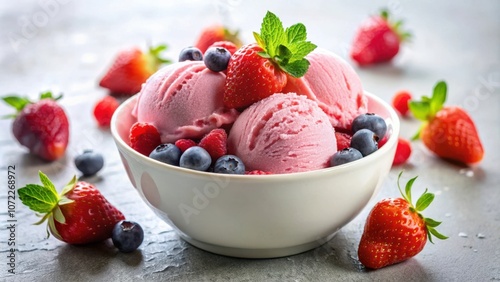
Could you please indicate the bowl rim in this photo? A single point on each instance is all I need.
(395, 123)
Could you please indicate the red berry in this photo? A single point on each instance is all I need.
(230, 46)
(78, 215)
(104, 109)
(400, 102)
(184, 144)
(343, 140)
(144, 137)
(215, 142)
(403, 151)
(41, 126)
(257, 172)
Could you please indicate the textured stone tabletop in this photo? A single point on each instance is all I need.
(66, 45)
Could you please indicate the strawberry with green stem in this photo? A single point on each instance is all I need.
(41, 126)
(395, 229)
(78, 215)
(448, 131)
(378, 40)
(258, 70)
(131, 68)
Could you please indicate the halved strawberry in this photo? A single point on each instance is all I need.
(41, 126)
(257, 71)
(131, 68)
(78, 215)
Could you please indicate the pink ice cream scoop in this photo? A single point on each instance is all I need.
(283, 133)
(184, 100)
(334, 85)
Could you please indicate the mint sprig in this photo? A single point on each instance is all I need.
(422, 203)
(287, 48)
(428, 107)
(45, 200)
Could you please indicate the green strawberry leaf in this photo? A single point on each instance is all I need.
(46, 95)
(69, 186)
(285, 47)
(431, 222)
(424, 201)
(38, 198)
(47, 183)
(437, 234)
(16, 102)
(438, 97)
(420, 109)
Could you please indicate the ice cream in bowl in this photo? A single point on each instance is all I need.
(290, 196)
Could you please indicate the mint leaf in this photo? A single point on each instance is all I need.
(285, 47)
(17, 102)
(296, 33)
(47, 183)
(273, 33)
(301, 49)
(38, 198)
(297, 68)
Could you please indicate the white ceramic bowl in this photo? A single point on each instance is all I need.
(256, 216)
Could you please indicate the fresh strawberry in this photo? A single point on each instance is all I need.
(184, 144)
(400, 102)
(377, 40)
(215, 142)
(257, 172)
(41, 126)
(230, 46)
(257, 71)
(403, 151)
(79, 215)
(448, 131)
(343, 140)
(144, 137)
(104, 109)
(131, 68)
(214, 33)
(395, 230)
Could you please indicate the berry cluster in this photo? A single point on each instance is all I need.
(367, 130)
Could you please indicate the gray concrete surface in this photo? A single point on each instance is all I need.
(66, 45)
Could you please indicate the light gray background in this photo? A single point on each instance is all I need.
(67, 47)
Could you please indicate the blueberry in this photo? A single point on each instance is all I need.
(229, 164)
(127, 236)
(344, 156)
(196, 158)
(167, 153)
(89, 162)
(217, 58)
(372, 122)
(190, 54)
(365, 141)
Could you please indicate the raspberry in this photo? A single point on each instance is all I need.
(403, 151)
(184, 144)
(104, 109)
(215, 143)
(257, 172)
(382, 141)
(400, 102)
(230, 46)
(343, 140)
(144, 137)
